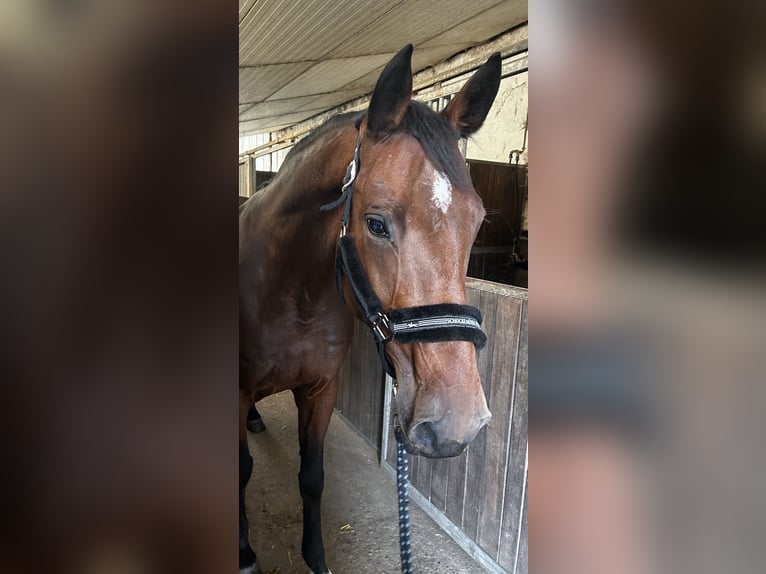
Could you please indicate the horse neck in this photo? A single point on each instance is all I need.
(318, 173)
(314, 178)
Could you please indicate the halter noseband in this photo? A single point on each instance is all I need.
(422, 324)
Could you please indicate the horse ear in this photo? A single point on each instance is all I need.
(391, 95)
(469, 108)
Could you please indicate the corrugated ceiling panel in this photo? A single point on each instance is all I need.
(244, 8)
(483, 26)
(331, 75)
(276, 31)
(274, 108)
(311, 55)
(421, 59)
(414, 22)
(269, 124)
(327, 101)
(366, 82)
(255, 127)
(257, 84)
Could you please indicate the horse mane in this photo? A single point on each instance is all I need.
(316, 133)
(435, 133)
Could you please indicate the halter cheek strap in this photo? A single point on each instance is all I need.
(422, 324)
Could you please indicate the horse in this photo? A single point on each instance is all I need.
(396, 258)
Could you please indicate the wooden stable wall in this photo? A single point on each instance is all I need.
(361, 385)
(479, 496)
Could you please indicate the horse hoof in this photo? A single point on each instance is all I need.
(252, 569)
(256, 425)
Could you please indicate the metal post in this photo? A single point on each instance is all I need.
(386, 418)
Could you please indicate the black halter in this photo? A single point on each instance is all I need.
(423, 324)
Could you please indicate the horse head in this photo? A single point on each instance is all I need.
(414, 218)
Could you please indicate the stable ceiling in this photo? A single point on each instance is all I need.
(299, 58)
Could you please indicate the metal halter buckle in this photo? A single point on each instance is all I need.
(382, 328)
(350, 176)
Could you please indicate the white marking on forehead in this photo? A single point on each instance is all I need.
(442, 191)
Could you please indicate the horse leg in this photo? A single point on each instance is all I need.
(315, 404)
(247, 560)
(254, 420)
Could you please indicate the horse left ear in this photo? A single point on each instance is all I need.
(469, 108)
(391, 95)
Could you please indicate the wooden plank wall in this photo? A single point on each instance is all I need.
(361, 387)
(483, 491)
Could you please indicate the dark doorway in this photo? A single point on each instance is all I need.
(500, 251)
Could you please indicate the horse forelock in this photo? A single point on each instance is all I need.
(438, 139)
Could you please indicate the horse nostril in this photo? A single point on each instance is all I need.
(422, 435)
(484, 420)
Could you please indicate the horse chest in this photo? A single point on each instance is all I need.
(296, 350)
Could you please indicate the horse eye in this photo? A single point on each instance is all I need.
(376, 226)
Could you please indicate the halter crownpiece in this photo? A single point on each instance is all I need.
(422, 324)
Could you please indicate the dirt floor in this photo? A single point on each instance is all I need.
(359, 508)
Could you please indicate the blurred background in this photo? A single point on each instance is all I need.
(118, 325)
(646, 316)
(118, 281)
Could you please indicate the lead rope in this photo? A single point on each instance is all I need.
(402, 469)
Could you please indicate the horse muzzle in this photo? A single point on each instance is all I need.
(434, 439)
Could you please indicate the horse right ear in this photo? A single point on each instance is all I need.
(469, 108)
(391, 95)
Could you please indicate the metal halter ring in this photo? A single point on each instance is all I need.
(382, 328)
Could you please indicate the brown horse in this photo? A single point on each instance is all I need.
(400, 263)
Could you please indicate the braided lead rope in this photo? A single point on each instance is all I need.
(402, 469)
